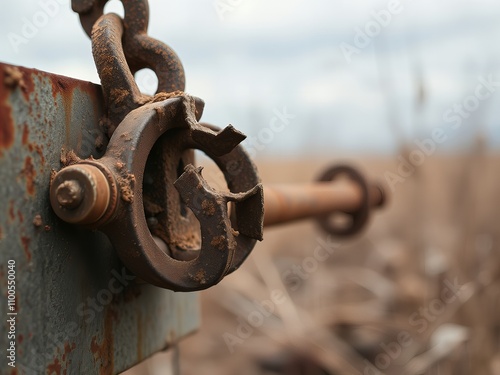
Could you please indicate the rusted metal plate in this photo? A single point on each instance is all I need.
(78, 309)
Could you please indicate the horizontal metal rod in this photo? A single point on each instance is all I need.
(286, 203)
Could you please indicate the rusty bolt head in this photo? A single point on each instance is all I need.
(80, 194)
(69, 194)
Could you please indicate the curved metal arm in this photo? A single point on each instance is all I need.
(225, 242)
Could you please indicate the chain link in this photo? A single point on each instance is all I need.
(121, 47)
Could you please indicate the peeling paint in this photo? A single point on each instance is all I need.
(26, 247)
(28, 85)
(29, 174)
(104, 352)
(68, 349)
(6, 122)
(12, 214)
(54, 368)
(26, 134)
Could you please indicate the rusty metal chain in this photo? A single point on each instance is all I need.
(121, 47)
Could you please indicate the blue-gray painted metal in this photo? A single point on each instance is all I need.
(78, 310)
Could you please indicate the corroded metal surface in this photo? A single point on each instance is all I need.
(172, 198)
(79, 310)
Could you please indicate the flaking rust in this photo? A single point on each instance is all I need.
(13, 77)
(127, 187)
(68, 157)
(103, 350)
(37, 221)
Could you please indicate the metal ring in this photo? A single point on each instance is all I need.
(89, 11)
(361, 216)
(241, 177)
(128, 230)
(121, 47)
(120, 91)
(143, 51)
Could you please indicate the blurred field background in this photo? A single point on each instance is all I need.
(419, 291)
(381, 290)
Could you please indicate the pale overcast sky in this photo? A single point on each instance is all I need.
(261, 56)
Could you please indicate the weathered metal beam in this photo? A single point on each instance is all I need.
(78, 309)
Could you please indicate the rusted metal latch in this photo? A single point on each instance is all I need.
(146, 191)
